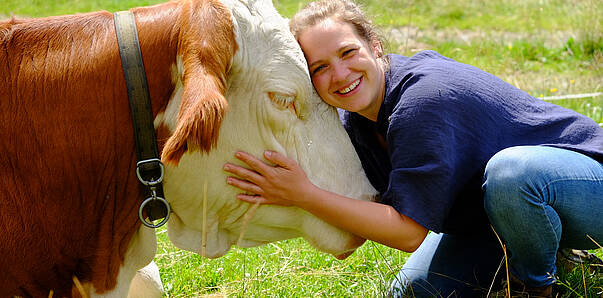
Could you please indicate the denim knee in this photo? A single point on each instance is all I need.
(506, 172)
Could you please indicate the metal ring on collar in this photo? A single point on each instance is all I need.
(151, 224)
(154, 182)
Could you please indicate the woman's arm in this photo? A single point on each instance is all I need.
(286, 184)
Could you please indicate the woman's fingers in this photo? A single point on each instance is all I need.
(278, 159)
(244, 185)
(256, 164)
(243, 172)
(265, 183)
(251, 199)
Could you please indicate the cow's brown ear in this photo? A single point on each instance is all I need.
(206, 44)
(201, 112)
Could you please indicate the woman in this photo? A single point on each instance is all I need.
(452, 150)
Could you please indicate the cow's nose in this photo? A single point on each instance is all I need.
(372, 198)
(343, 256)
(354, 243)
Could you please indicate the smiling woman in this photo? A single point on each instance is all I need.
(344, 67)
(451, 149)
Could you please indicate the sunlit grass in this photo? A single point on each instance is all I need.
(288, 268)
(41, 8)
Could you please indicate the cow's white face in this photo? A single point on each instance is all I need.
(272, 106)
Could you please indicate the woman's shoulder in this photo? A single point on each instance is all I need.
(427, 69)
(417, 80)
(429, 77)
(430, 63)
(397, 62)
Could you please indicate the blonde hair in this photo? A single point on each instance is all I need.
(340, 10)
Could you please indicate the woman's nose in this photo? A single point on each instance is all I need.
(340, 72)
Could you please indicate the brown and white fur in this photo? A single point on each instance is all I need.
(223, 76)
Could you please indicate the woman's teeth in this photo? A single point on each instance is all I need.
(350, 88)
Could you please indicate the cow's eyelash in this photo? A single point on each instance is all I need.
(283, 101)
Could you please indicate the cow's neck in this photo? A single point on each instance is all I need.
(158, 35)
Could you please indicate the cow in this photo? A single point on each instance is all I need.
(223, 75)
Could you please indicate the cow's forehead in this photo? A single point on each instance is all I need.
(262, 32)
(268, 58)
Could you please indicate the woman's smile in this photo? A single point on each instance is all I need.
(350, 88)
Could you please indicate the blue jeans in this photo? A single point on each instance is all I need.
(538, 199)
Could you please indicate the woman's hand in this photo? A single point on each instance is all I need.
(284, 184)
(287, 184)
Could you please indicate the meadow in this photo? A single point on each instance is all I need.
(552, 49)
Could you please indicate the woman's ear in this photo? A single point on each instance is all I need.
(377, 48)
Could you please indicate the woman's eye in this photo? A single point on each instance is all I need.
(348, 52)
(318, 69)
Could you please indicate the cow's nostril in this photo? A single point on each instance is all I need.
(370, 197)
(343, 256)
(353, 243)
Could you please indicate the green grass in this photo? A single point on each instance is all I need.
(502, 15)
(288, 268)
(545, 47)
(42, 8)
(582, 281)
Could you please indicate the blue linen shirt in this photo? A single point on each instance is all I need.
(442, 121)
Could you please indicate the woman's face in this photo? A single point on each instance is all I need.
(343, 67)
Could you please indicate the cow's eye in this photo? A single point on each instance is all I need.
(283, 101)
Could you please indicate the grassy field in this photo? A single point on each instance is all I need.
(546, 47)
